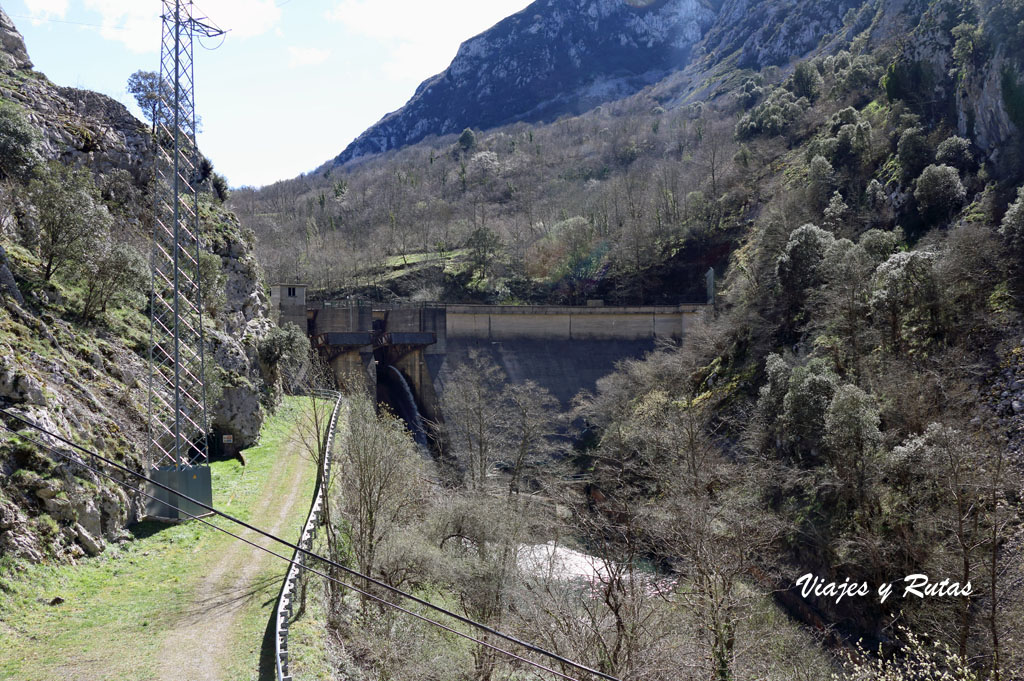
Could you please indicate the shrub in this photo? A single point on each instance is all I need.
(1012, 228)
(113, 274)
(220, 187)
(913, 152)
(820, 182)
(800, 266)
(847, 116)
(749, 94)
(939, 192)
(955, 151)
(918, 662)
(467, 140)
(806, 81)
(1013, 97)
(284, 356)
(18, 153)
(211, 283)
(909, 81)
(71, 217)
(860, 78)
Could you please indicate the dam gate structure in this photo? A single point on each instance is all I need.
(405, 352)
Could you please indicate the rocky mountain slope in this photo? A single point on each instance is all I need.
(552, 58)
(567, 56)
(561, 57)
(82, 371)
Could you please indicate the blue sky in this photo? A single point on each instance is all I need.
(294, 82)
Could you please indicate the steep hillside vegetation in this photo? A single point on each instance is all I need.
(75, 225)
(855, 409)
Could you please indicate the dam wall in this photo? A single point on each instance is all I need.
(509, 322)
(563, 369)
(564, 349)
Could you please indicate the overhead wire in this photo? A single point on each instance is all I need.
(73, 23)
(298, 564)
(223, 38)
(223, 33)
(370, 580)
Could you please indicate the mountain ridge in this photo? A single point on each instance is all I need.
(556, 57)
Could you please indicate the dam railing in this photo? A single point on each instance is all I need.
(285, 600)
(480, 308)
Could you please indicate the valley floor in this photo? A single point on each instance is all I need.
(176, 602)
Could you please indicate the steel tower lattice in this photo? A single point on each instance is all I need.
(177, 393)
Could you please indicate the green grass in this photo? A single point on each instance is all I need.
(117, 606)
(307, 636)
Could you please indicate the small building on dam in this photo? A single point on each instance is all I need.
(406, 351)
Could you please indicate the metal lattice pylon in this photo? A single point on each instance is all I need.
(177, 393)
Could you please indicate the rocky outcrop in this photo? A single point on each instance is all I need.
(242, 322)
(552, 58)
(754, 34)
(972, 93)
(78, 127)
(981, 106)
(13, 54)
(90, 384)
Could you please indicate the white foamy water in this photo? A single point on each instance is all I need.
(541, 560)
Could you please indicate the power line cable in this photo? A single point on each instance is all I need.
(73, 23)
(415, 599)
(298, 564)
(207, 23)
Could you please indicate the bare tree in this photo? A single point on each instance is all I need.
(474, 415)
(380, 488)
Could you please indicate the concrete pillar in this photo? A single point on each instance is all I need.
(416, 370)
(354, 370)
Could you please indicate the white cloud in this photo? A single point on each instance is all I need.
(136, 23)
(307, 56)
(421, 36)
(244, 18)
(47, 9)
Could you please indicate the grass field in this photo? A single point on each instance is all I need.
(118, 607)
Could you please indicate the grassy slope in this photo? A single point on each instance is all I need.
(113, 600)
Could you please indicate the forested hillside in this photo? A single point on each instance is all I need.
(852, 409)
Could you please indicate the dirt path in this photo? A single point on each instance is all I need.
(196, 645)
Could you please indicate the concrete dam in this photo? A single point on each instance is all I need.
(404, 351)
